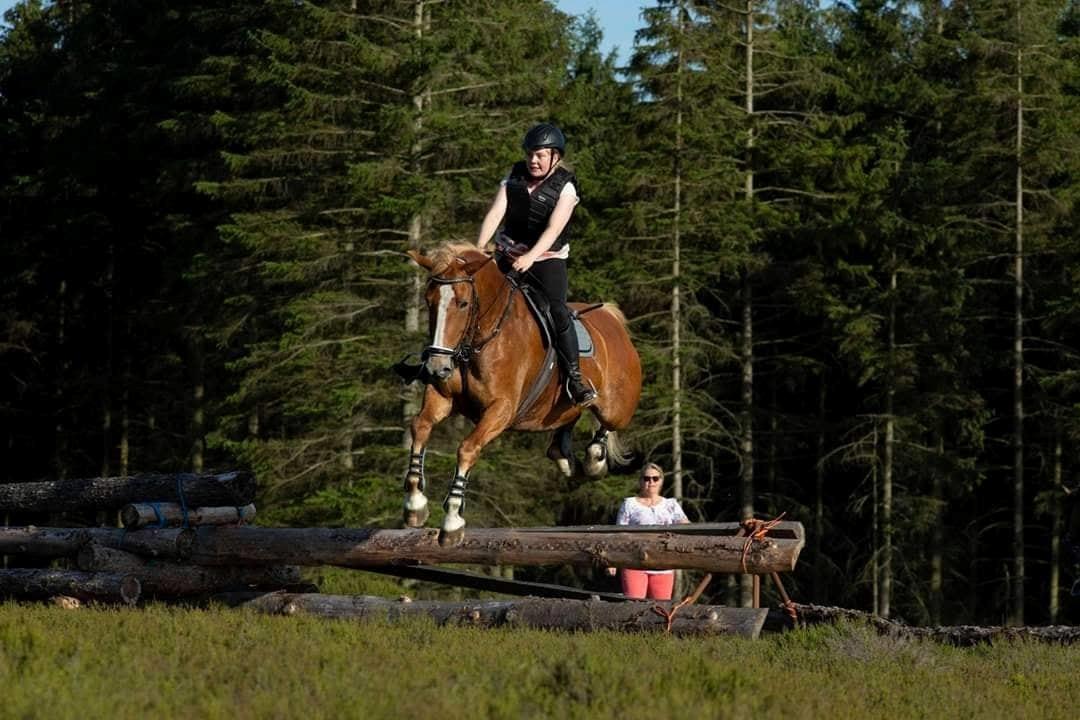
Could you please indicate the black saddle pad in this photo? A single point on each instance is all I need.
(540, 306)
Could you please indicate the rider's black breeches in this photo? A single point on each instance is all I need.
(550, 276)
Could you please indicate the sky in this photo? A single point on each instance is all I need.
(618, 20)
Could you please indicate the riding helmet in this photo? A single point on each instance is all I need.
(544, 135)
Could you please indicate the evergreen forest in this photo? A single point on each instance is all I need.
(844, 236)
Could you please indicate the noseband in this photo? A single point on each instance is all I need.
(466, 348)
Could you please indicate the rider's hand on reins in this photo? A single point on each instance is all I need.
(523, 263)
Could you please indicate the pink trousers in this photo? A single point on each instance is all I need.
(640, 584)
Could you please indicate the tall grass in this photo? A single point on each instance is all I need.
(167, 662)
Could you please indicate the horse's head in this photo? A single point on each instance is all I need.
(453, 305)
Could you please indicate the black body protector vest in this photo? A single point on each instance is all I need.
(527, 215)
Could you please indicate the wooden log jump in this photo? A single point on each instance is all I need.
(567, 615)
(363, 548)
(206, 490)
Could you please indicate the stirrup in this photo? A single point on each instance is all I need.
(586, 397)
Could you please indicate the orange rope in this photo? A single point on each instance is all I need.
(690, 599)
(756, 530)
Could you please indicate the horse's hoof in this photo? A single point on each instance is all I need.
(564, 467)
(595, 464)
(451, 538)
(416, 518)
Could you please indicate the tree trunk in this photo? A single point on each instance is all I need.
(875, 530)
(937, 540)
(60, 431)
(125, 414)
(565, 615)
(819, 492)
(962, 635)
(1016, 617)
(1057, 524)
(232, 488)
(140, 515)
(39, 584)
(885, 606)
(676, 279)
(362, 548)
(411, 393)
(198, 410)
(746, 443)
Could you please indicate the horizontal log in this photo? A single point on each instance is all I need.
(231, 488)
(960, 635)
(46, 542)
(169, 579)
(140, 515)
(787, 529)
(363, 548)
(542, 614)
(42, 584)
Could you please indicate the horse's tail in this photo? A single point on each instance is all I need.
(613, 310)
(617, 451)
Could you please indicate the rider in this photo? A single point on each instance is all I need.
(534, 204)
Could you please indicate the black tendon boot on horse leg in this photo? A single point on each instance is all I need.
(566, 343)
(453, 527)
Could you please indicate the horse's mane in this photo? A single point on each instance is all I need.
(443, 256)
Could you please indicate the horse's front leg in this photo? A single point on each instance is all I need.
(494, 421)
(434, 410)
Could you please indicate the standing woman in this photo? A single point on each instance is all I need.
(534, 203)
(649, 507)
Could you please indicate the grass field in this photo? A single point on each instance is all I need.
(166, 662)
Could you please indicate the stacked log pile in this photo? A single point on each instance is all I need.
(147, 558)
(184, 536)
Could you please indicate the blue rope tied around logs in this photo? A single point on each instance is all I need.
(180, 495)
(157, 513)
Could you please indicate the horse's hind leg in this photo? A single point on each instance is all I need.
(434, 410)
(561, 450)
(596, 454)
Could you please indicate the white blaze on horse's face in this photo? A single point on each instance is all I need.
(449, 318)
(446, 296)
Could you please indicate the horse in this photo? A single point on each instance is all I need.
(485, 353)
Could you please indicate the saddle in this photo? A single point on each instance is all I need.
(540, 307)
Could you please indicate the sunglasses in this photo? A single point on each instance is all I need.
(651, 478)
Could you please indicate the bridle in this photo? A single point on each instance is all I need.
(467, 346)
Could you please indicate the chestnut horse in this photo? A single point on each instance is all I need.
(484, 356)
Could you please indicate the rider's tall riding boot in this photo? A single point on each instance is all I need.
(581, 392)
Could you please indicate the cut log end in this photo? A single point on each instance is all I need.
(130, 589)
